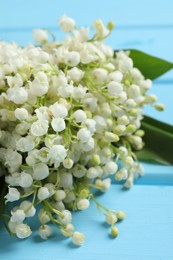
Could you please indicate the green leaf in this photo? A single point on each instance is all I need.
(3, 190)
(2, 194)
(150, 66)
(158, 140)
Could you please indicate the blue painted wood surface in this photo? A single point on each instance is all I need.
(147, 233)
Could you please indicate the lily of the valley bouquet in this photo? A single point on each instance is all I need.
(70, 120)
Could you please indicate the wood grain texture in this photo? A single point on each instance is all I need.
(18, 13)
(146, 233)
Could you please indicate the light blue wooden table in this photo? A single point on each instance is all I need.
(147, 233)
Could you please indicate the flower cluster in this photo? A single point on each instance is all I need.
(68, 112)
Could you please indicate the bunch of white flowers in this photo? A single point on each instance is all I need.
(68, 112)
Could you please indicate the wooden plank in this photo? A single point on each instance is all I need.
(146, 233)
(44, 13)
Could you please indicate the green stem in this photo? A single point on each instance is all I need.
(95, 187)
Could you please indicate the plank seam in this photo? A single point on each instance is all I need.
(118, 27)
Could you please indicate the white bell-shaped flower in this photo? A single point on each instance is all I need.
(45, 232)
(58, 124)
(23, 231)
(18, 216)
(28, 208)
(25, 180)
(12, 195)
(78, 238)
(21, 114)
(40, 171)
(43, 193)
(66, 217)
(66, 23)
(83, 204)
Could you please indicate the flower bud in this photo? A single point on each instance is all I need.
(122, 174)
(136, 141)
(84, 193)
(125, 64)
(83, 204)
(106, 152)
(129, 183)
(92, 173)
(78, 238)
(75, 74)
(122, 151)
(21, 114)
(106, 183)
(69, 228)
(58, 110)
(83, 135)
(130, 129)
(114, 88)
(111, 219)
(133, 112)
(123, 120)
(99, 75)
(111, 137)
(159, 107)
(116, 76)
(151, 99)
(68, 163)
(66, 217)
(130, 103)
(96, 159)
(119, 129)
(79, 116)
(140, 133)
(128, 160)
(118, 176)
(59, 195)
(120, 215)
(114, 231)
(110, 26)
(110, 168)
(133, 91)
(43, 193)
